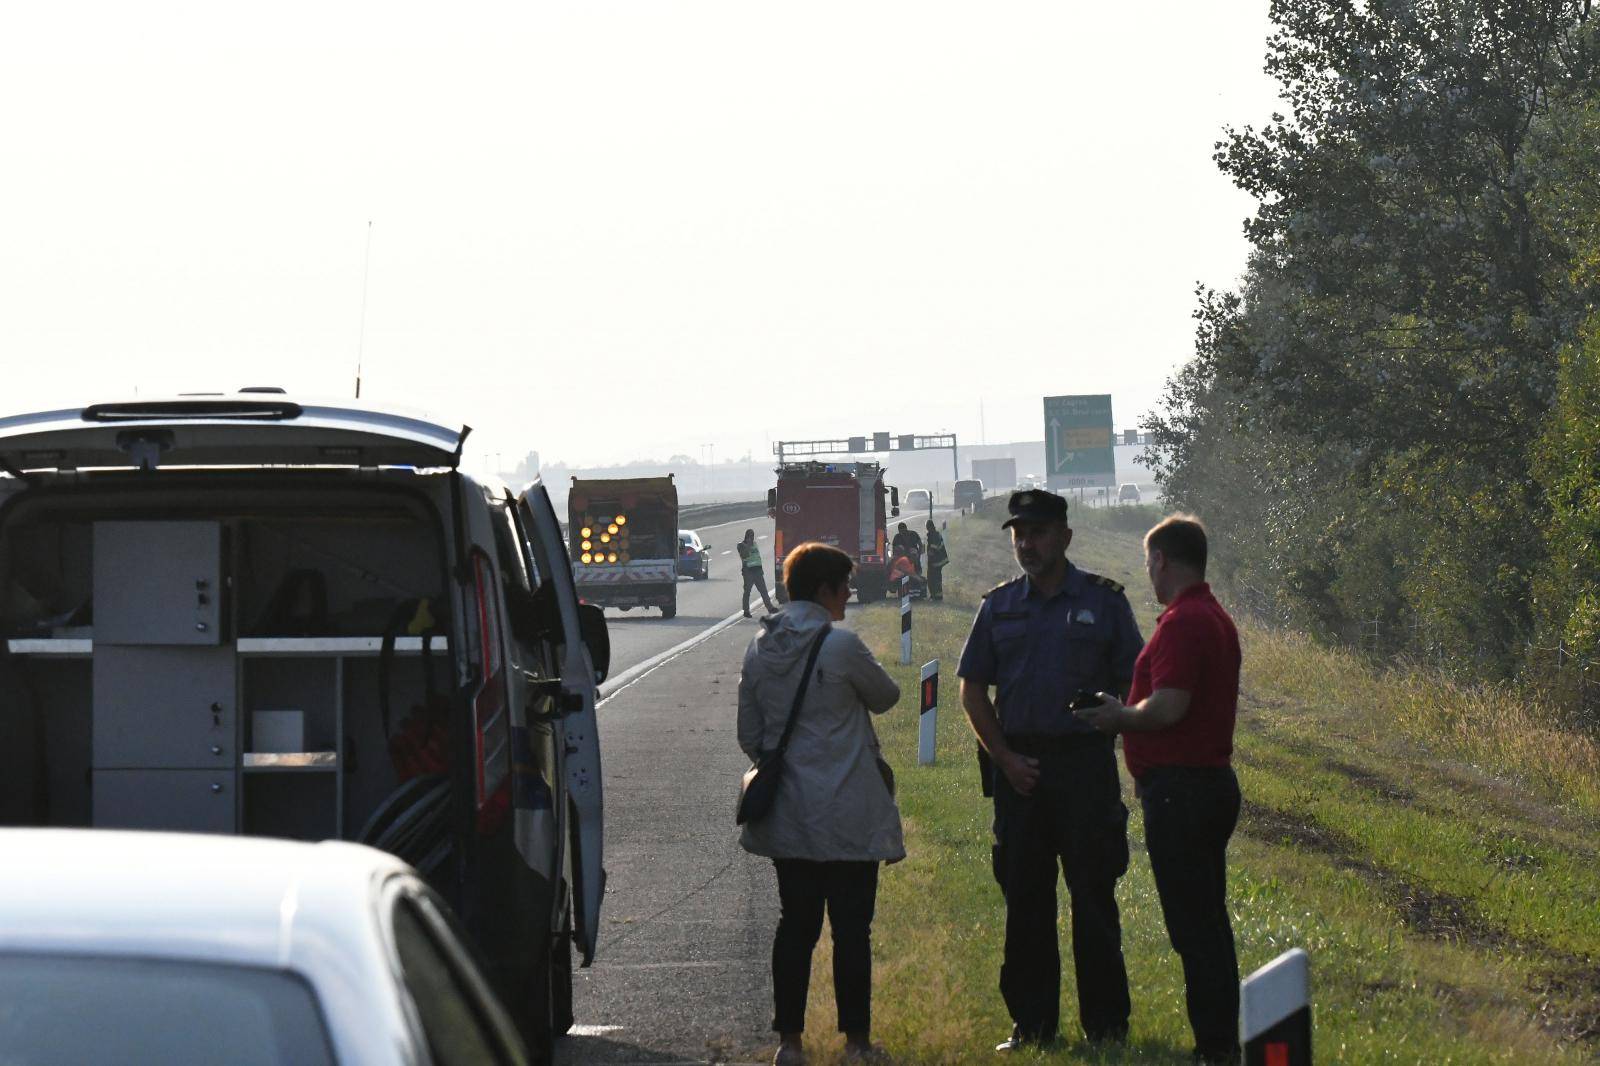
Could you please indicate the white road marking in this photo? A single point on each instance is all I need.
(634, 673)
(728, 552)
(761, 536)
(593, 1030)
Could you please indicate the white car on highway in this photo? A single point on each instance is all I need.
(130, 947)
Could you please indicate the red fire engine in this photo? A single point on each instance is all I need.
(846, 505)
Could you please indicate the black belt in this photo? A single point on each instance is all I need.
(1055, 743)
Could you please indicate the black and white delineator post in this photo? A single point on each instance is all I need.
(905, 621)
(928, 720)
(1275, 1012)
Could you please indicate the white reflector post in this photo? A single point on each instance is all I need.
(1275, 1012)
(928, 720)
(905, 621)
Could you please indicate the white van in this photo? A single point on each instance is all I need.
(256, 615)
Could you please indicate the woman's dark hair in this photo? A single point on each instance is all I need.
(812, 567)
(1182, 539)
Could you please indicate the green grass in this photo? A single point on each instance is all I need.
(1434, 848)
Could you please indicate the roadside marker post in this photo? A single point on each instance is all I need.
(905, 621)
(928, 720)
(1275, 1012)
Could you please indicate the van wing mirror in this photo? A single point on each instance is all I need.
(894, 502)
(592, 628)
(772, 503)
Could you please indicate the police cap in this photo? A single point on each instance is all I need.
(1035, 505)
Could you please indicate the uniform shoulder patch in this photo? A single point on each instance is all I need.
(1101, 579)
(1003, 584)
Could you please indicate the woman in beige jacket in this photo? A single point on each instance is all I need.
(835, 817)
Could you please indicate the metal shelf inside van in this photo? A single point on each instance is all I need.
(289, 761)
(262, 647)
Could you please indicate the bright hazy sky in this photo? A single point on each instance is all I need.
(612, 230)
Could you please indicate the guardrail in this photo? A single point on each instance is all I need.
(695, 515)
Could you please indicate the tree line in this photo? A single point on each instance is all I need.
(1392, 425)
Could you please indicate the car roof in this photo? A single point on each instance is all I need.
(250, 429)
(242, 900)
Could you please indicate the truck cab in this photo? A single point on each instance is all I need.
(269, 616)
(846, 505)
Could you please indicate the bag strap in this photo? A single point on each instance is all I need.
(800, 693)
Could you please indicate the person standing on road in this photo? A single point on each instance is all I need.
(1040, 639)
(937, 558)
(1178, 744)
(834, 819)
(750, 568)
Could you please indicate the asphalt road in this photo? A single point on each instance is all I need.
(641, 633)
(681, 970)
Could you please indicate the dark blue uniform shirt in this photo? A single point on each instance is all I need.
(1040, 650)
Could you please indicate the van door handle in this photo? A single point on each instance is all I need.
(550, 688)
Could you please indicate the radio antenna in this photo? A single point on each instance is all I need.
(361, 338)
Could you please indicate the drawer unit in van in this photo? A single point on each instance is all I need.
(165, 708)
(201, 801)
(158, 583)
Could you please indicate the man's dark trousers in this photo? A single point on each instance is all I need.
(1075, 816)
(1189, 814)
(936, 581)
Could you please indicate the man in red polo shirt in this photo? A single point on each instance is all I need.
(1178, 737)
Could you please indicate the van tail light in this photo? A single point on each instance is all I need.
(777, 545)
(491, 710)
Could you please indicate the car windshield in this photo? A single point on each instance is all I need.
(95, 1011)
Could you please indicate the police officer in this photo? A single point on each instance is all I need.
(1040, 640)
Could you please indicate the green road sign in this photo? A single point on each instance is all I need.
(1077, 442)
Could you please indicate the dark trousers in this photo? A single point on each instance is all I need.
(936, 581)
(756, 579)
(1076, 817)
(849, 892)
(1189, 814)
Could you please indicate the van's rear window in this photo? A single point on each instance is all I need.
(96, 1011)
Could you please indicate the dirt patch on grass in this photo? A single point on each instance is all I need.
(1568, 986)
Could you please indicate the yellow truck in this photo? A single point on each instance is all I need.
(623, 537)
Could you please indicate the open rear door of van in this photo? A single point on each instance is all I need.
(580, 735)
(240, 430)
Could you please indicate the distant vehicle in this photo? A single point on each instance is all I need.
(1029, 481)
(1127, 492)
(180, 947)
(284, 618)
(694, 557)
(968, 493)
(623, 535)
(843, 504)
(996, 473)
(918, 501)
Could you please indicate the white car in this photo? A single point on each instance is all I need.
(1128, 492)
(918, 501)
(123, 947)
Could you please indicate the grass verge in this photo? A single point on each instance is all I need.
(1433, 847)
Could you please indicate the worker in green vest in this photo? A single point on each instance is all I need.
(750, 568)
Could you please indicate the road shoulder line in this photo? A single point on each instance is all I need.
(636, 672)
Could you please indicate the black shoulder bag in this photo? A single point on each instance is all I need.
(759, 788)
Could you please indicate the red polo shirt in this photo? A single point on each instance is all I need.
(1194, 648)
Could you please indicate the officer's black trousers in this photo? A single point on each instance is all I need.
(1189, 814)
(936, 581)
(849, 892)
(1074, 816)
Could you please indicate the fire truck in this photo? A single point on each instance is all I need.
(623, 537)
(846, 505)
